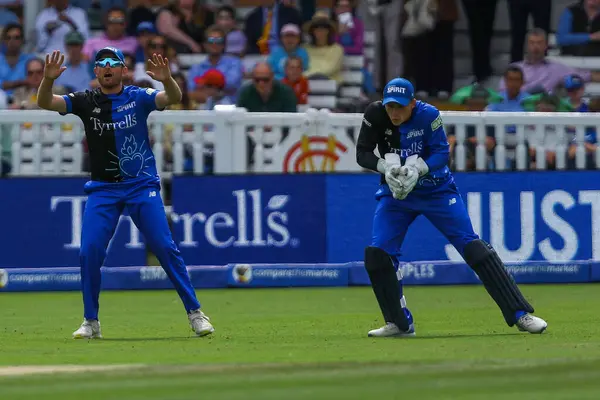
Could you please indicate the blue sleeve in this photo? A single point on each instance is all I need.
(437, 142)
(147, 99)
(76, 103)
(564, 35)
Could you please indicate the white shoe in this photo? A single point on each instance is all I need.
(532, 324)
(89, 329)
(391, 330)
(200, 323)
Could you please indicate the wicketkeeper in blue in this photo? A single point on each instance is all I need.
(416, 180)
(123, 174)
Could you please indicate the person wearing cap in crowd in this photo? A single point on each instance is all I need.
(290, 39)
(144, 33)
(416, 180)
(124, 174)
(325, 55)
(210, 88)
(79, 77)
(574, 85)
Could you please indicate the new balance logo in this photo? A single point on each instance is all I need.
(388, 132)
(152, 194)
(452, 201)
(96, 110)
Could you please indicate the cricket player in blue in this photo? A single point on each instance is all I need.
(123, 174)
(416, 180)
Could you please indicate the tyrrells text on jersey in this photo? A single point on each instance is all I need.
(129, 121)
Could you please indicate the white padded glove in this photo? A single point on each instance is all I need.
(391, 169)
(414, 168)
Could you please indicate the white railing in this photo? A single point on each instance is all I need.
(46, 143)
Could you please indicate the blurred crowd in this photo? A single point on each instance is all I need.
(303, 41)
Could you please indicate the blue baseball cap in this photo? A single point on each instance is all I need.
(398, 90)
(146, 26)
(110, 52)
(573, 82)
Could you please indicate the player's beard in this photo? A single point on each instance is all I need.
(110, 82)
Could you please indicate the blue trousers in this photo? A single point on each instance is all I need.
(103, 209)
(443, 208)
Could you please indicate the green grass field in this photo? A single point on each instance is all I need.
(303, 344)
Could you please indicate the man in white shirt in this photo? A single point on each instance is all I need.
(53, 23)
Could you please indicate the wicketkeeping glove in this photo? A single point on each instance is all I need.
(391, 173)
(414, 168)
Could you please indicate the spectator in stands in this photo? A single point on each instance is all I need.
(156, 45)
(235, 43)
(145, 32)
(114, 35)
(210, 90)
(513, 95)
(53, 23)
(13, 61)
(290, 39)
(512, 101)
(140, 14)
(519, 11)
(326, 57)
(230, 66)
(264, 23)
(183, 23)
(578, 32)
(77, 76)
(429, 55)
(294, 79)
(575, 88)
(350, 28)
(25, 97)
(590, 141)
(538, 70)
(266, 94)
(480, 18)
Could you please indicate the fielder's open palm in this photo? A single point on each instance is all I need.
(54, 68)
(159, 68)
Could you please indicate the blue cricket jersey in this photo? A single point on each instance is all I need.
(423, 134)
(117, 132)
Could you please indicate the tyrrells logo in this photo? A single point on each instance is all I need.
(129, 121)
(414, 148)
(252, 224)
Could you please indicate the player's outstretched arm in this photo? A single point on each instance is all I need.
(159, 70)
(52, 70)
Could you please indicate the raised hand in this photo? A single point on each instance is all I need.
(159, 68)
(54, 68)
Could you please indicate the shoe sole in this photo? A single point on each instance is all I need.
(205, 333)
(397, 335)
(535, 333)
(87, 337)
